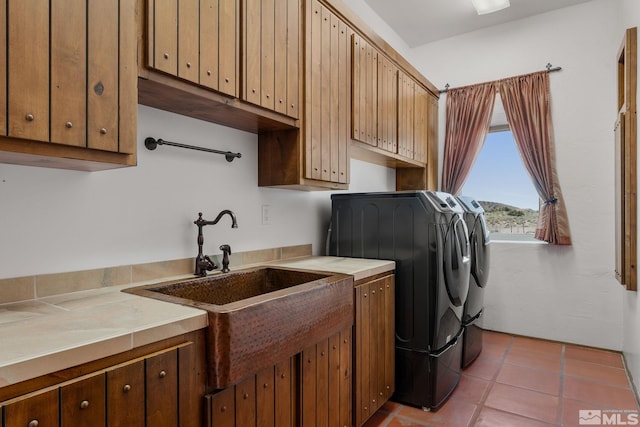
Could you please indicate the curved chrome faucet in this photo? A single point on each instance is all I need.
(203, 262)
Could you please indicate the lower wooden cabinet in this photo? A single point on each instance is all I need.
(161, 388)
(312, 388)
(374, 347)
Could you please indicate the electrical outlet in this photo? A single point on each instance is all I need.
(266, 214)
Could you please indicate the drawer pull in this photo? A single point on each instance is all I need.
(33, 423)
(30, 117)
(126, 388)
(69, 125)
(84, 404)
(103, 131)
(162, 374)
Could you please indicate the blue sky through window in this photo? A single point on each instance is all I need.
(499, 175)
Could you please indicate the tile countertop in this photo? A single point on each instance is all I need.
(38, 337)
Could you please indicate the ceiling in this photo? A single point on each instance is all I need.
(424, 21)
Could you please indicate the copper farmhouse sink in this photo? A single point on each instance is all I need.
(259, 316)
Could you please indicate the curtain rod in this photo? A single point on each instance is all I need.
(548, 68)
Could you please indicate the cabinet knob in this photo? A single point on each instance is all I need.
(265, 385)
(126, 388)
(188, 64)
(280, 101)
(245, 396)
(84, 404)
(226, 79)
(68, 125)
(33, 423)
(166, 56)
(30, 117)
(223, 409)
(282, 375)
(162, 374)
(103, 131)
(208, 72)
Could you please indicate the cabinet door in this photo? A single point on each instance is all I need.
(374, 346)
(125, 396)
(162, 389)
(327, 126)
(83, 403)
(40, 410)
(28, 69)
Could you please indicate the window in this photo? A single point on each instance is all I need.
(499, 181)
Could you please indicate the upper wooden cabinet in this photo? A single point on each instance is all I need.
(271, 55)
(68, 78)
(316, 155)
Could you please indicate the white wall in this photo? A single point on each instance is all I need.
(57, 220)
(631, 18)
(374, 21)
(560, 293)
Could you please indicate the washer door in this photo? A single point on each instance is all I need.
(480, 254)
(457, 262)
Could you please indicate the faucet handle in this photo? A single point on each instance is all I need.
(210, 264)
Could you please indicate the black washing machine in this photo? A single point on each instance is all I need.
(425, 234)
(480, 257)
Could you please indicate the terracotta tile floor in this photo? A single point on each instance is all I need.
(522, 382)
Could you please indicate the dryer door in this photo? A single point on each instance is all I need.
(457, 262)
(479, 240)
